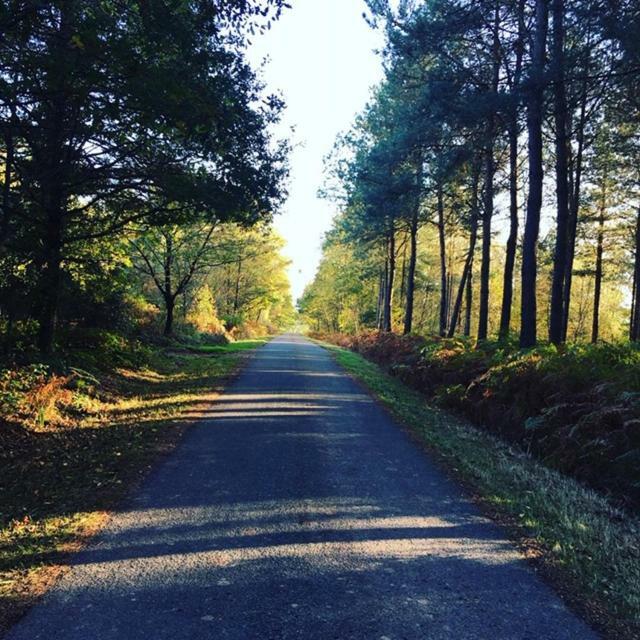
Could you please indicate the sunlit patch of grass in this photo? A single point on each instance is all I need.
(582, 540)
(57, 480)
(233, 347)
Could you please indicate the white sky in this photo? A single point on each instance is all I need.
(322, 60)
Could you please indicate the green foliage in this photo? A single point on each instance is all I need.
(203, 314)
(149, 147)
(100, 350)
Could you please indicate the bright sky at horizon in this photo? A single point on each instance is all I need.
(322, 60)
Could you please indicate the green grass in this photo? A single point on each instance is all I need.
(586, 543)
(58, 480)
(233, 347)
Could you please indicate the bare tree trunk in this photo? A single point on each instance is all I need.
(468, 302)
(572, 225)
(53, 190)
(487, 214)
(485, 268)
(512, 240)
(462, 287)
(556, 315)
(169, 297)
(442, 328)
(528, 329)
(381, 289)
(411, 275)
(634, 325)
(169, 305)
(51, 275)
(466, 272)
(388, 298)
(595, 327)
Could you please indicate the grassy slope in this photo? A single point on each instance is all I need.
(56, 484)
(590, 550)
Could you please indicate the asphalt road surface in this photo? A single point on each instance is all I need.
(298, 509)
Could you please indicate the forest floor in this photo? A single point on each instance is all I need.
(60, 478)
(585, 546)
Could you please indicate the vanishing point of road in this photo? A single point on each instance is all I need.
(298, 509)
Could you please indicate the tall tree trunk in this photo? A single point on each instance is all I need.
(388, 297)
(381, 289)
(574, 210)
(168, 294)
(528, 329)
(450, 295)
(512, 240)
(513, 132)
(403, 272)
(381, 296)
(634, 324)
(485, 268)
(468, 264)
(556, 315)
(442, 327)
(597, 292)
(487, 216)
(51, 275)
(462, 287)
(411, 273)
(468, 304)
(53, 192)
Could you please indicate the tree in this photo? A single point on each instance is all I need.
(174, 258)
(97, 138)
(562, 178)
(460, 77)
(535, 98)
(514, 77)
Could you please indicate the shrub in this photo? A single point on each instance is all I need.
(16, 383)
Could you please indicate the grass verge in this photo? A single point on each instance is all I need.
(58, 481)
(586, 547)
(233, 347)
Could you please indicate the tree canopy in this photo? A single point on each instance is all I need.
(114, 113)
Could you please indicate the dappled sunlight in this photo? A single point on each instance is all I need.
(332, 375)
(287, 404)
(319, 535)
(255, 398)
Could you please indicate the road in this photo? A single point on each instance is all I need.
(298, 509)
